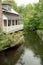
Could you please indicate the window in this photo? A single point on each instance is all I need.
(9, 22)
(16, 22)
(12, 22)
(5, 22)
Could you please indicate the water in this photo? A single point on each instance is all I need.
(31, 53)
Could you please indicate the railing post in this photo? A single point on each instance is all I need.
(7, 25)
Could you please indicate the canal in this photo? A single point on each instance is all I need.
(29, 53)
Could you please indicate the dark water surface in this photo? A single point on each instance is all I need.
(31, 53)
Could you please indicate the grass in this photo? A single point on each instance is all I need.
(41, 27)
(39, 31)
(9, 39)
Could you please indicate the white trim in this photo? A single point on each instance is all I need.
(3, 25)
(7, 25)
(11, 22)
(10, 29)
(13, 11)
(4, 17)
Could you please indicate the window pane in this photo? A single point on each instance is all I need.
(12, 22)
(9, 22)
(5, 22)
(16, 22)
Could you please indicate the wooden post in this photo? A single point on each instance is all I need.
(1, 27)
(7, 25)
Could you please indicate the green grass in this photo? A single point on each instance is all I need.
(9, 39)
(41, 27)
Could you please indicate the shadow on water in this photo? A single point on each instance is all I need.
(11, 56)
(34, 43)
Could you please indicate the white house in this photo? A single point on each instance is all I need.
(10, 19)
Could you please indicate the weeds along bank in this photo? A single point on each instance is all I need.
(6, 40)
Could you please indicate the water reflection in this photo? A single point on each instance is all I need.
(29, 54)
(10, 57)
(28, 59)
(34, 43)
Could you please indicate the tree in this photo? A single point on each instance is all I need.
(14, 5)
(36, 19)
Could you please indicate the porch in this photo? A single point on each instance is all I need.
(10, 29)
(10, 26)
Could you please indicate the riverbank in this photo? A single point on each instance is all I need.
(40, 34)
(10, 40)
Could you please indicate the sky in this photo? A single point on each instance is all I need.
(24, 2)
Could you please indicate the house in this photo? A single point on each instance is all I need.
(10, 19)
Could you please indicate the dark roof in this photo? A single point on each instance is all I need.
(3, 9)
(7, 10)
(7, 3)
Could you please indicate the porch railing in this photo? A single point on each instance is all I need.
(8, 29)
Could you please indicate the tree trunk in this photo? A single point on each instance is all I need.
(0, 16)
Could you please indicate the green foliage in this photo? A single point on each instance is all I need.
(36, 20)
(26, 11)
(6, 40)
(14, 5)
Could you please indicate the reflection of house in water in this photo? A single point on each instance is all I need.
(10, 19)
